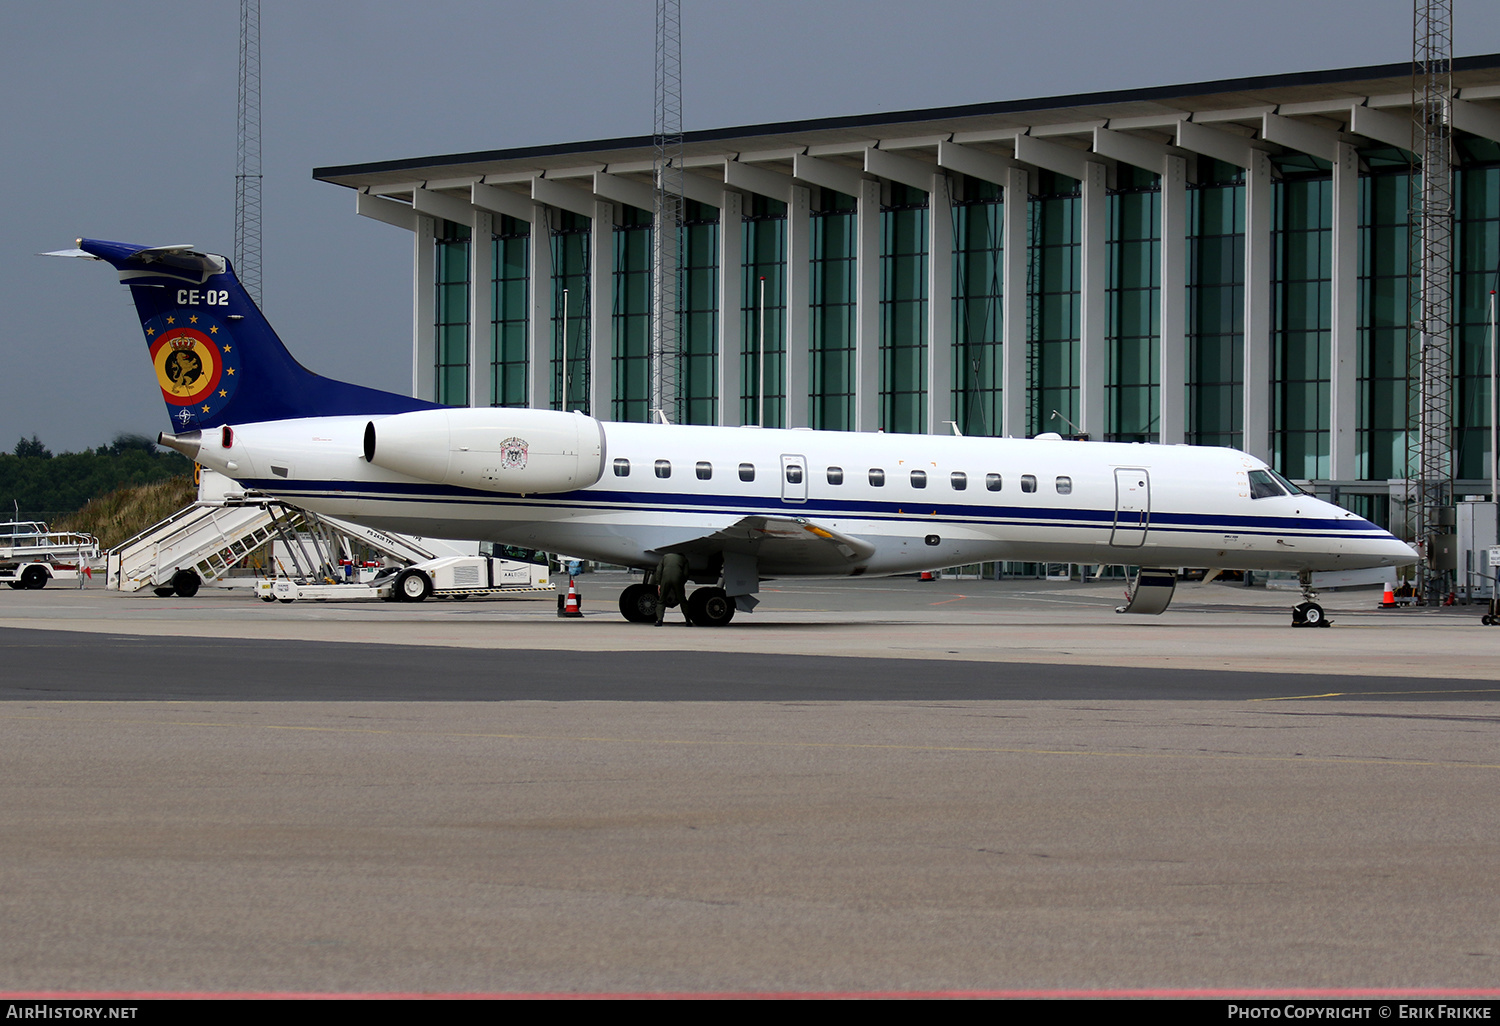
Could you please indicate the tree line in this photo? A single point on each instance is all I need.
(35, 481)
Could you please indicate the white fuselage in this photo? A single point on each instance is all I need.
(1029, 500)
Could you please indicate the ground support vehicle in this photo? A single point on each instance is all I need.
(31, 554)
(446, 577)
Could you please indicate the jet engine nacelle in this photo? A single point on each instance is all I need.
(524, 452)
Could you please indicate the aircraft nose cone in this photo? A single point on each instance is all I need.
(1390, 550)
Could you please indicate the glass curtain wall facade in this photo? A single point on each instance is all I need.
(763, 313)
(1216, 305)
(1052, 314)
(1384, 311)
(1301, 318)
(630, 317)
(571, 238)
(903, 310)
(1477, 248)
(833, 289)
(451, 314)
(978, 295)
(1133, 307)
(1298, 390)
(510, 312)
(699, 315)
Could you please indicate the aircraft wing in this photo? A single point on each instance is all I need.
(784, 544)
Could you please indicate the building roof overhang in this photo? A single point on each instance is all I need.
(1323, 99)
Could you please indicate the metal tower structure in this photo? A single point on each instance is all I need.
(1430, 346)
(247, 176)
(666, 352)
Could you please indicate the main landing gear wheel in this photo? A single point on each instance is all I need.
(413, 586)
(1309, 614)
(638, 603)
(34, 578)
(710, 607)
(186, 583)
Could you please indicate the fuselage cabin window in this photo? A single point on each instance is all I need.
(622, 468)
(747, 471)
(919, 479)
(877, 477)
(960, 480)
(663, 468)
(1064, 486)
(835, 475)
(992, 482)
(705, 470)
(793, 474)
(1028, 482)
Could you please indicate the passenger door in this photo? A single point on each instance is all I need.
(793, 478)
(1132, 507)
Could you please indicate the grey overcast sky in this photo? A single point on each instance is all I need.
(119, 123)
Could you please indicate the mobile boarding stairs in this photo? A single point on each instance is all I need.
(203, 542)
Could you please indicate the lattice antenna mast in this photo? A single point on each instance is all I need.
(1430, 350)
(247, 174)
(666, 353)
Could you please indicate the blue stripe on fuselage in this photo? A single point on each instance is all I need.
(1018, 516)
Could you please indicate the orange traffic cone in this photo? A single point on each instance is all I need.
(927, 575)
(571, 606)
(1388, 600)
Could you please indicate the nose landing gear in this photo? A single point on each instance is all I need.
(1308, 613)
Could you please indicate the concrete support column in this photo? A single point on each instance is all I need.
(423, 341)
(539, 321)
(1257, 326)
(939, 304)
(601, 309)
(867, 309)
(731, 290)
(481, 306)
(1093, 355)
(1343, 362)
(1013, 304)
(1172, 398)
(798, 317)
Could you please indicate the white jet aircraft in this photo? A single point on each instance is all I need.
(741, 504)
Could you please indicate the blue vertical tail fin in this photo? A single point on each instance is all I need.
(216, 358)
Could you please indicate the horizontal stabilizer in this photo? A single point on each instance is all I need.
(214, 356)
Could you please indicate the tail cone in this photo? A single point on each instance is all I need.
(188, 443)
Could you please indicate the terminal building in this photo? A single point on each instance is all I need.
(1224, 263)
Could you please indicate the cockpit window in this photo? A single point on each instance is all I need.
(1263, 485)
(1293, 489)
